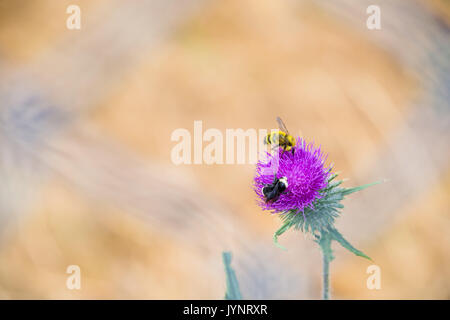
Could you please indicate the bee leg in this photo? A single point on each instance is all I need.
(274, 178)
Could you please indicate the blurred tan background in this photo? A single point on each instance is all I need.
(87, 117)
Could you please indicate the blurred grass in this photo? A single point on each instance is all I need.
(28, 28)
(413, 254)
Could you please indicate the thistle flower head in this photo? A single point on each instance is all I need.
(309, 198)
(306, 174)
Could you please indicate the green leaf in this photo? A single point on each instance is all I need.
(286, 225)
(233, 292)
(339, 238)
(355, 189)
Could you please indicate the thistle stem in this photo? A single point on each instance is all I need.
(325, 246)
(326, 278)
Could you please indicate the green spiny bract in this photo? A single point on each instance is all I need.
(318, 219)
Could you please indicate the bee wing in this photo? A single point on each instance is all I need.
(282, 125)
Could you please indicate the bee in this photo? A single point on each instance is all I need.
(281, 138)
(273, 191)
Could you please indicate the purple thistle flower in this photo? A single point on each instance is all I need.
(299, 182)
(305, 172)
